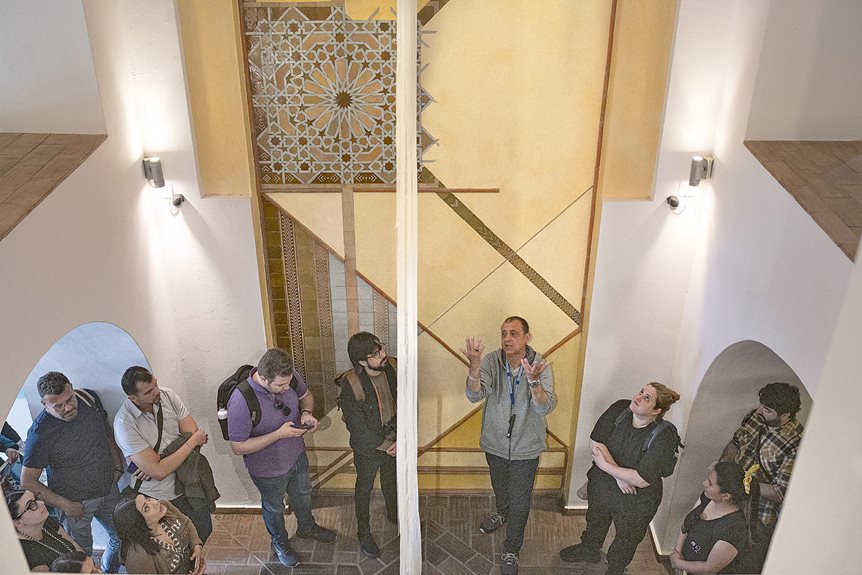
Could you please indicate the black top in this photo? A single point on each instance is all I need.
(702, 535)
(625, 443)
(363, 417)
(51, 546)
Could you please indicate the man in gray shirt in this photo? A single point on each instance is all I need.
(517, 387)
(136, 430)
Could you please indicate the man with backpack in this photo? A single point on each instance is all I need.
(625, 481)
(368, 398)
(72, 438)
(268, 432)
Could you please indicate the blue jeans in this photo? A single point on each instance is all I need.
(297, 484)
(102, 509)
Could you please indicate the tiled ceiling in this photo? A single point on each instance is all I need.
(32, 165)
(825, 178)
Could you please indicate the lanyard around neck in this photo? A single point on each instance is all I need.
(510, 378)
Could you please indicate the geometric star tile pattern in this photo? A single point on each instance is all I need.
(323, 96)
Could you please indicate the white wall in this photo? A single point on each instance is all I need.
(743, 262)
(102, 247)
(818, 531)
(48, 83)
(809, 83)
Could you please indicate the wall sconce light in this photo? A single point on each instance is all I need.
(701, 169)
(153, 171)
(154, 174)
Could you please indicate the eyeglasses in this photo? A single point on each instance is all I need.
(32, 505)
(376, 354)
(279, 404)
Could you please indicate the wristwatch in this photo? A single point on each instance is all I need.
(534, 383)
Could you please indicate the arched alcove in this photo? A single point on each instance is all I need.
(726, 394)
(93, 356)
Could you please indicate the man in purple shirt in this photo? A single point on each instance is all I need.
(274, 449)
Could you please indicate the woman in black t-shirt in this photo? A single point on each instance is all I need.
(41, 537)
(717, 529)
(625, 484)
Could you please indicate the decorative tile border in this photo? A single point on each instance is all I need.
(511, 256)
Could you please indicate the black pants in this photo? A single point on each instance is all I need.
(630, 514)
(200, 517)
(367, 463)
(512, 481)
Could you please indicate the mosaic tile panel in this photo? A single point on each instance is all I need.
(323, 95)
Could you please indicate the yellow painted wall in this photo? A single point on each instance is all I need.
(636, 96)
(217, 96)
(518, 95)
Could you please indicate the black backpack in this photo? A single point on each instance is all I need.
(239, 380)
(665, 469)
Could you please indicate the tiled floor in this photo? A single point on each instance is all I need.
(452, 542)
(826, 180)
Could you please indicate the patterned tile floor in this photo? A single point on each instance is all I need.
(452, 542)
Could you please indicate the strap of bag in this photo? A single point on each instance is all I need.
(160, 421)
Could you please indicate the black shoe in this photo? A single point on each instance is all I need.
(369, 547)
(286, 555)
(492, 523)
(319, 533)
(580, 553)
(510, 564)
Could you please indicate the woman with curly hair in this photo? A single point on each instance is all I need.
(157, 538)
(721, 525)
(625, 481)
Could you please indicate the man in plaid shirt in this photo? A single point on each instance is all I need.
(769, 436)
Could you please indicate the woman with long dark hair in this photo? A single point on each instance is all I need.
(721, 525)
(157, 538)
(42, 538)
(74, 562)
(625, 481)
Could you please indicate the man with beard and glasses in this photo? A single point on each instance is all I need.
(73, 441)
(369, 393)
(769, 437)
(136, 427)
(273, 450)
(518, 390)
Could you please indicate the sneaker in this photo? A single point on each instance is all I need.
(492, 523)
(286, 555)
(319, 533)
(510, 564)
(368, 545)
(580, 553)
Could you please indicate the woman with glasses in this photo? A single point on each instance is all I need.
(41, 537)
(157, 538)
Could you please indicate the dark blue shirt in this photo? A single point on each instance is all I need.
(76, 453)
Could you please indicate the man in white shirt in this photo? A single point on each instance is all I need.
(136, 431)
